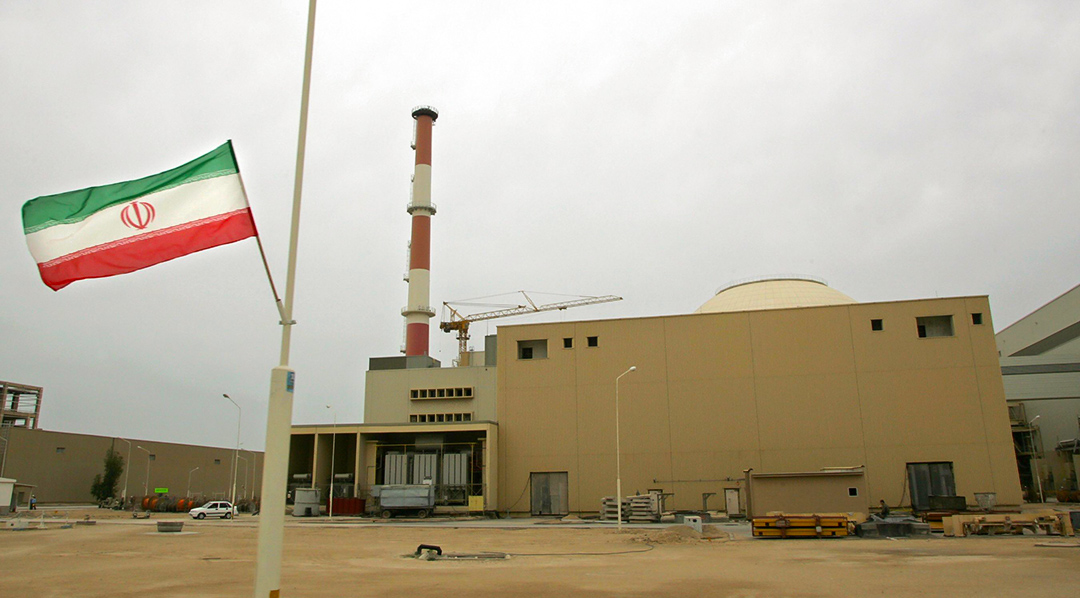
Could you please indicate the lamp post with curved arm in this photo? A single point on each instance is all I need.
(618, 451)
(236, 452)
(333, 454)
(146, 482)
(188, 494)
(127, 472)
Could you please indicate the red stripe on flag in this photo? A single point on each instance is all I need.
(142, 251)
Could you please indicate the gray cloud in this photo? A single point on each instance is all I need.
(900, 151)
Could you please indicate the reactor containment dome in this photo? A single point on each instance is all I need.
(781, 292)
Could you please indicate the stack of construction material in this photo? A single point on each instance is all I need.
(640, 508)
(644, 508)
(784, 525)
(610, 512)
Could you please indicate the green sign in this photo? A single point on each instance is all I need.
(161, 490)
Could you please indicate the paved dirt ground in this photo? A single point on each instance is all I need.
(122, 558)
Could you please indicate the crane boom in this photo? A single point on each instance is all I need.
(460, 322)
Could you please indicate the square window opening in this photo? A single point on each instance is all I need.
(568, 343)
(153, 457)
(414, 419)
(934, 326)
(217, 461)
(853, 491)
(467, 417)
(414, 393)
(532, 349)
(976, 319)
(442, 393)
(60, 450)
(593, 341)
(877, 325)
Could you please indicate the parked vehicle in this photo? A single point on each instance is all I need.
(214, 508)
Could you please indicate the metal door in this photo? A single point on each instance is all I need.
(550, 493)
(731, 499)
(929, 479)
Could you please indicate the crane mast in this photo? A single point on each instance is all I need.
(458, 322)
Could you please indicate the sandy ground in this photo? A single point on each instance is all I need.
(120, 557)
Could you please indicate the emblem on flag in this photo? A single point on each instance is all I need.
(137, 214)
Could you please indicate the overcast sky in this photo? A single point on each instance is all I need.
(651, 150)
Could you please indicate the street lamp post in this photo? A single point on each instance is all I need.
(127, 472)
(243, 489)
(618, 451)
(146, 482)
(249, 471)
(333, 454)
(188, 494)
(236, 452)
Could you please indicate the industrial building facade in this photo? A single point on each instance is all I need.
(1040, 364)
(910, 389)
(59, 467)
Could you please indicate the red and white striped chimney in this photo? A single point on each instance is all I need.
(419, 310)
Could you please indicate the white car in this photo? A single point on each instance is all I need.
(214, 508)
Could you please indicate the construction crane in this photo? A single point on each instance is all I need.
(460, 322)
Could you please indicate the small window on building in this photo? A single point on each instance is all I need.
(852, 491)
(934, 326)
(442, 393)
(468, 392)
(467, 417)
(457, 417)
(431, 393)
(441, 418)
(423, 393)
(415, 394)
(593, 341)
(153, 457)
(414, 419)
(877, 325)
(217, 461)
(60, 450)
(535, 349)
(459, 392)
(976, 319)
(568, 343)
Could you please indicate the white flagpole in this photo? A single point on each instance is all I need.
(279, 412)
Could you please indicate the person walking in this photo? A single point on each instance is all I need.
(33, 502)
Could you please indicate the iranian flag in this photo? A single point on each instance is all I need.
(123, 227)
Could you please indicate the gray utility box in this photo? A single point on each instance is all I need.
(418, 499)
(306, 502)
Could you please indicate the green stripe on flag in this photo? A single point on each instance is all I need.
(74, 206)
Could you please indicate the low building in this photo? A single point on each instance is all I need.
(61, 467)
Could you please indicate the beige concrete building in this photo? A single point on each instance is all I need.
(1040, 364)
(781, 377)
(911, 390)
(422, 422)
(61, 466)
